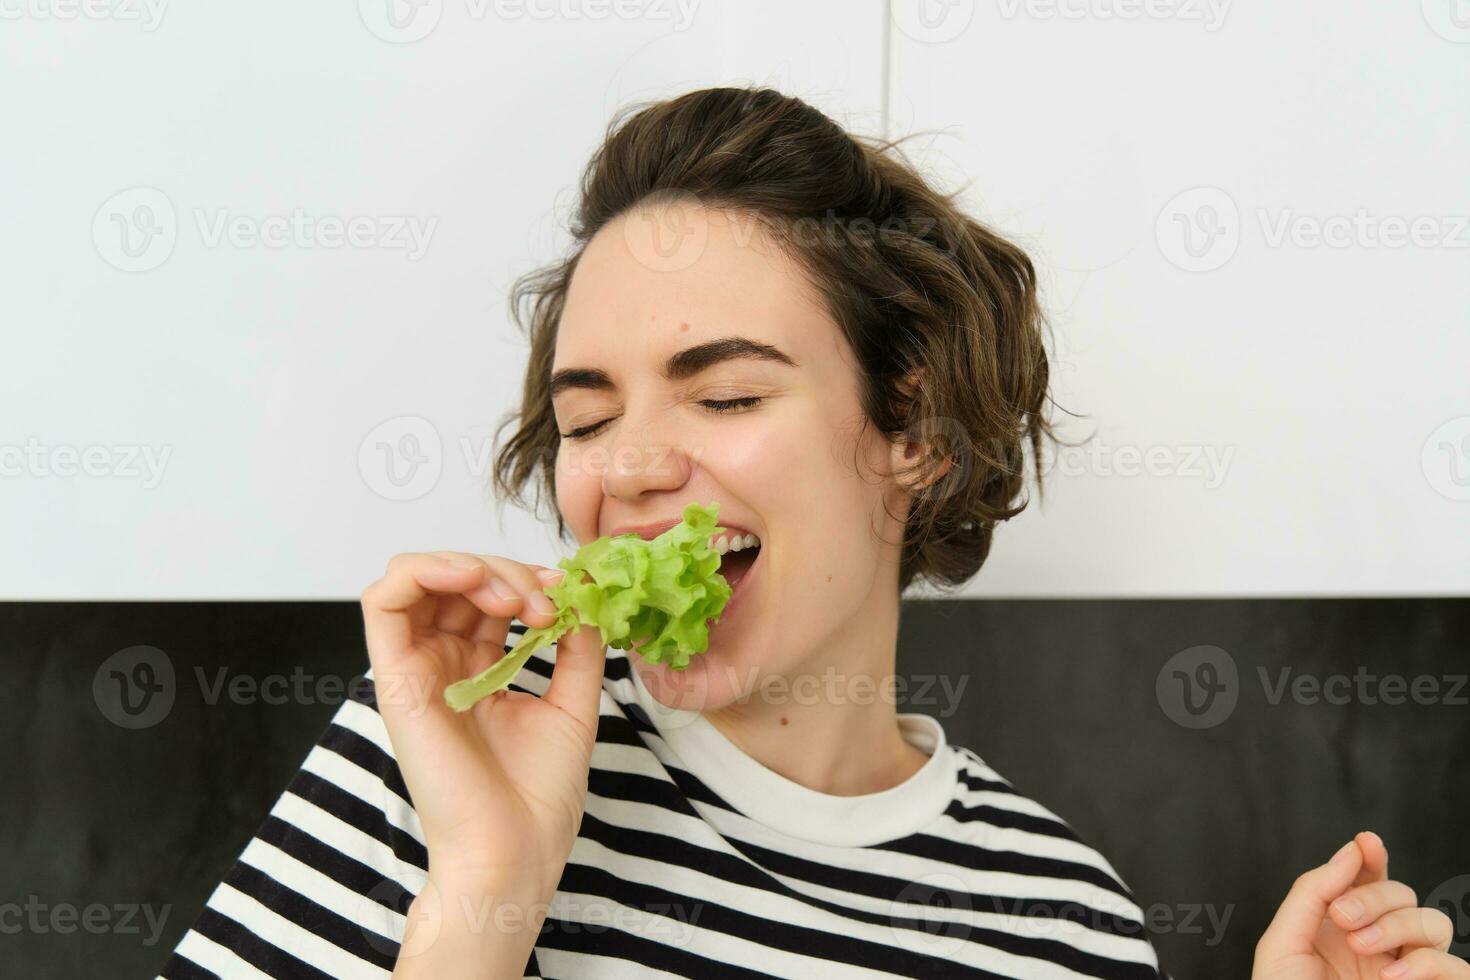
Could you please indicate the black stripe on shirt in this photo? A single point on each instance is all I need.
(622, 730)
(345, 870)
(353, 937)
(180, 967)
(980, 858)
(801, 940)
(731, 869)
(264, 956)
(597, 940)
(1015, 820)
(365, 754)
(362, 815)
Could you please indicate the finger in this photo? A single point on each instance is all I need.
(1296, 922)
(1361, 905)
(391, 604)
(576, 677)
(1427, 964)
(408, 598)
(408, 678)
(509, 588)
(514, 584)
(485, 632)
(491, 637)
(458, 616)
(1407, 928)
(1375, 858)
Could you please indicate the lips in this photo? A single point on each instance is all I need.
(650, 531)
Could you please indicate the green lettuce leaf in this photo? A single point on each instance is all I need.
(652, 596)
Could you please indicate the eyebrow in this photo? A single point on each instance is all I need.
(684, 364)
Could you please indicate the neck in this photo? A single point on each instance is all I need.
(832, 726)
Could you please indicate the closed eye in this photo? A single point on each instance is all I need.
(718, 405)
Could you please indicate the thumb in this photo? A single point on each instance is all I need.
(1305, 906)
(1375, 858)
(576, 677)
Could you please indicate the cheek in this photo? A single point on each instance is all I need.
(812, 464)
(803, 481)
(578, 491)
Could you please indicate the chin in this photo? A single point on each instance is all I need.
(704, 685)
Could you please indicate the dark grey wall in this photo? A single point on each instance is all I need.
(1064, 698)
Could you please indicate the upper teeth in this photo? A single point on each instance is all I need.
(735, 542)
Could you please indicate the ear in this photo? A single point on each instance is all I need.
(908, 452)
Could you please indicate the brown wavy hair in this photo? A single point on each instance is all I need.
(940, 311)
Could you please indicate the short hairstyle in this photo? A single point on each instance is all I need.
(940, 311)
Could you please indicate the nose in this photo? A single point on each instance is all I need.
(641, 462)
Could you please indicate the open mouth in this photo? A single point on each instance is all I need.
(736, 564)
(737, 568)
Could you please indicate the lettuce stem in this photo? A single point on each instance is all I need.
(462, 695)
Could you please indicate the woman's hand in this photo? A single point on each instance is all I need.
(1346, 920)
(499, 789)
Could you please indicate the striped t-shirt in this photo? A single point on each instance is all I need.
(692, 860)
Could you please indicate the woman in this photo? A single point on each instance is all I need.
(764, 312)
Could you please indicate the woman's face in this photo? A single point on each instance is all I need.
(782, 467)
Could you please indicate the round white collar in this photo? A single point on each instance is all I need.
(784, 805)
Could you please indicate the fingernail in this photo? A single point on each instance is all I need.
(502, 589)
(1350, 908)
(1343, 853)
(550, 576)
(1396, 969)
(1369, 936)
(466, 563)
(542, 603)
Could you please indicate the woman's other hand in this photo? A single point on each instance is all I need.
(1345, 920)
